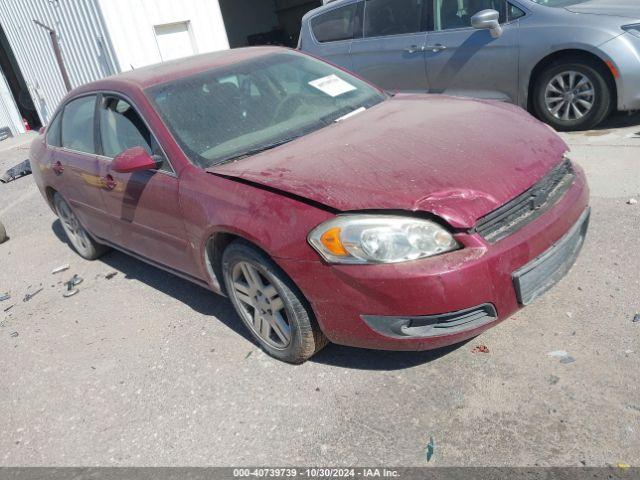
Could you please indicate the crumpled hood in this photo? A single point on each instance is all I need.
(616, 8)
(457, 158)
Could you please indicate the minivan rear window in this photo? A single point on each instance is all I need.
(395, 17)
(335, 25)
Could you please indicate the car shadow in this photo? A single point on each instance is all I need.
(196, 297)
(363, 359)
(208, 303)
(478, 40)
(620, 120)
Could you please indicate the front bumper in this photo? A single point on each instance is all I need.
(624, 53)
(346, 297)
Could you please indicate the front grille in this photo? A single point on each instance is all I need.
(525, 208)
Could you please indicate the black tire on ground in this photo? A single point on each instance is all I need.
(305, 337)
(601, 101)
(3, 234)
(78, 237)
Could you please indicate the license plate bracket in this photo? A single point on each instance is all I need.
(541, 274)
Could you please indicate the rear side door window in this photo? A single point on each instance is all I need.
(339, 24)
(395, 17)
(121, 128)
(78, 126)
(53, 132)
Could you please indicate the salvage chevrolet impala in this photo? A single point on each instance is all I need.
(324, 208)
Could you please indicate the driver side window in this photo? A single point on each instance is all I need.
(451, 14)
(122, 128)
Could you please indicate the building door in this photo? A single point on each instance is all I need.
(175, 40)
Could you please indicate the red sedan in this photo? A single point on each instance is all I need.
(323, 207)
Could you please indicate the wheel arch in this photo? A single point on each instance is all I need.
(217, 241)
(214, 247)
(49, 192)
(573, 54)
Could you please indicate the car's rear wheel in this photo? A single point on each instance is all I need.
(269, 304)
(3, 234)
(76, 234)
(572, 96)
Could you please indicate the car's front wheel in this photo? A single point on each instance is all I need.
(573, 95)
(79, 238)
(270, 305)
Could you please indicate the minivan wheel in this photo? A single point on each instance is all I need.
(269, 304)
(78, 237)
(572, 96)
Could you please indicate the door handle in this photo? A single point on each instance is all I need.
(438, 47)
(109, 182)
(414, 49)
(58, 168)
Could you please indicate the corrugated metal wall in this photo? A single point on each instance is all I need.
(86, 48)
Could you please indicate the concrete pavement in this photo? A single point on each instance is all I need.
(147, 369)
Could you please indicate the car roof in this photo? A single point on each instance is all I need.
(160, 73)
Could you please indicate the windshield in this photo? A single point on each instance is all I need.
(558, 3)
(225, 114)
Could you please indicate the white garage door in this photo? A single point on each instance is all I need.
(174, 40)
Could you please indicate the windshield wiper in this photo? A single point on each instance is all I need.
(342, 114)
(334, 117)
(255, 151)
(350, 114)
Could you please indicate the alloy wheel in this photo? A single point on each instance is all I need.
(570, 95)
(72, 227)
(261, 305)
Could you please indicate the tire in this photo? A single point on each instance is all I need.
(3, 234)
(272, 308)
(549, 94)
(78, 237)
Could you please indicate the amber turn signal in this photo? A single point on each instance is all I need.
(331, 241)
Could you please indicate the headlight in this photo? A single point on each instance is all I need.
(379, 239)
(632, 29)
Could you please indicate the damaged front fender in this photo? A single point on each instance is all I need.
(454, 205)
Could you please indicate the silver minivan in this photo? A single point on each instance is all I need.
(571, 62)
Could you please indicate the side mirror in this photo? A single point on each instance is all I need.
(135, 159)
(487, 20)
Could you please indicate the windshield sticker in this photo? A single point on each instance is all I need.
(332, 85)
